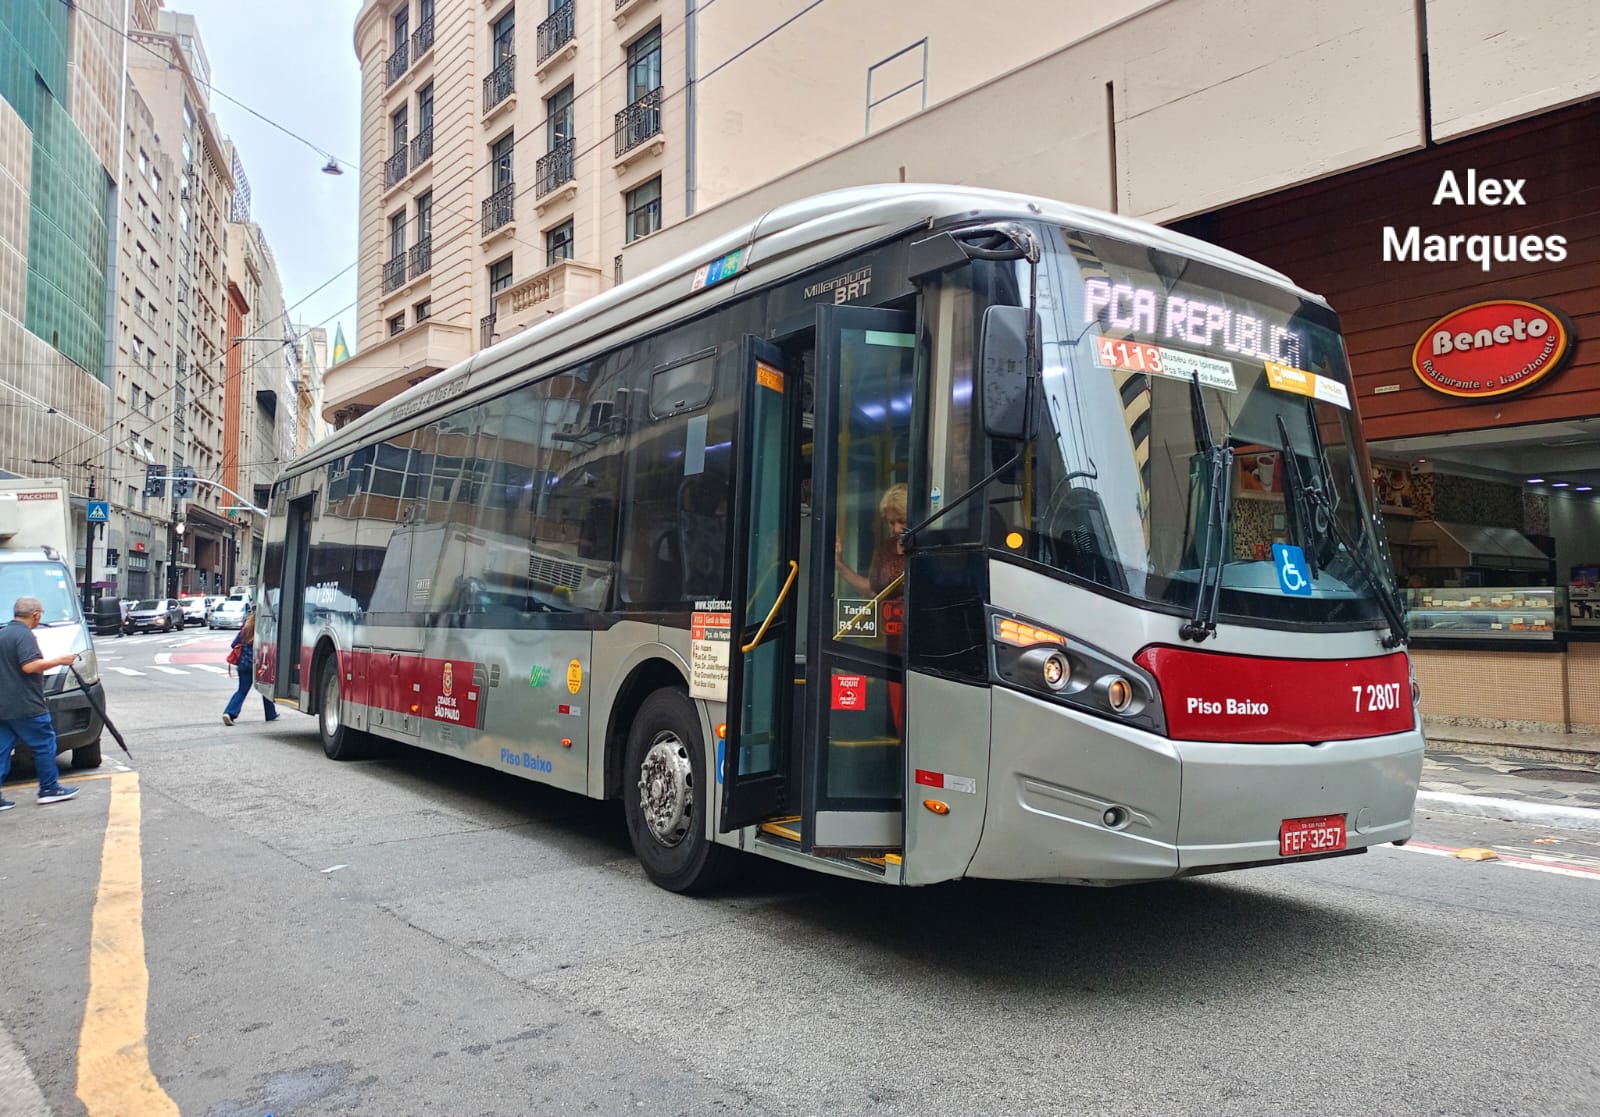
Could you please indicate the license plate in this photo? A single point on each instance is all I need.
(1299, 837)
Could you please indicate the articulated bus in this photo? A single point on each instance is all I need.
(909, 533)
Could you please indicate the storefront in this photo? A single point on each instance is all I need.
(1467, 276)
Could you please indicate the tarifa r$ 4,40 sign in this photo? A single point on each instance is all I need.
(1491, 349)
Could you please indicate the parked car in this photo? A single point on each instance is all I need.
(194, 608)
(232, 612)
(159, 614)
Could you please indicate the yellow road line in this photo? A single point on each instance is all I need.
(114, 1077)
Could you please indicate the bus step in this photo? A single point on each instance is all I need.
(786, 828)
(786, 832)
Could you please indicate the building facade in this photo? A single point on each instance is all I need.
(140, 528)
(508, 154)
(312, 355)
(59, 97)
(260, 369)
(168, 66)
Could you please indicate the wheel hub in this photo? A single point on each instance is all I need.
(330, 704)
(666, 789)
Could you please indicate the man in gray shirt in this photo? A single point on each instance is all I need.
(24, 714)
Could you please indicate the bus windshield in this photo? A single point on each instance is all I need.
(1120, 491)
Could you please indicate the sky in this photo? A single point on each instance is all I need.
(294, 62)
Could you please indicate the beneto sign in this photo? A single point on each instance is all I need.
(1491, 349)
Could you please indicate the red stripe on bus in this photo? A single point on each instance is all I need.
(437, 689)
(1213, 696)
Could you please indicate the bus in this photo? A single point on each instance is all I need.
(908, 533)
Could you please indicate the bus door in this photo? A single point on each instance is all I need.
(291, 602)
(854, 693)
(757, 759)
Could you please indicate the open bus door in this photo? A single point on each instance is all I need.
(757, 757)
(292, 601)
(854, 757)
(816, 708)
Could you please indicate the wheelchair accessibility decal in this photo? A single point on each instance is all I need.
(1294, 576)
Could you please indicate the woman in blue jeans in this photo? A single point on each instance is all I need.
(245, 642)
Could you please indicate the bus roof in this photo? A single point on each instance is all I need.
(786, 240)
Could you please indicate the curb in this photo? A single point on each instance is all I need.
(1511, 810)
(1547, 754)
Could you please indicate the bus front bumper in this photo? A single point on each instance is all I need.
(1074, 798)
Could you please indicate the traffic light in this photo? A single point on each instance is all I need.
(154, 480)
(183, 483)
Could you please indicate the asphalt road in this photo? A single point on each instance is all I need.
(418, 936)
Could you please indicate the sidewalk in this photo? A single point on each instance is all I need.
(1548, 790)
(1567, 750)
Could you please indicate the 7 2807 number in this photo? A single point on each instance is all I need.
(1378, 696)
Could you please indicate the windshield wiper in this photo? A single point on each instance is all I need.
(1312, 520)
(1202, 621)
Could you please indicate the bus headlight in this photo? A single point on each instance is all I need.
(1119, 694)
(1055, 670)
(1050, 664)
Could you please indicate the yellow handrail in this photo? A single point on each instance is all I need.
(794, 569)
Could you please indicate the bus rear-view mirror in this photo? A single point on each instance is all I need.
(1006, 371)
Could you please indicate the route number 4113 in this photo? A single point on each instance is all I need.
(1377, 696)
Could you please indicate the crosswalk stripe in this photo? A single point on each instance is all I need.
(212, 667)
(125, 670)
(171, 670)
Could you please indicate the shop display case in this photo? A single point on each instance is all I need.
(1485, 613)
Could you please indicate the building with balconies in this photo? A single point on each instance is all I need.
(506, 161)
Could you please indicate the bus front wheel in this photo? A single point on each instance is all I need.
(667, 796)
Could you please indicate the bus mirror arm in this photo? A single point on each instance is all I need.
(908, 538)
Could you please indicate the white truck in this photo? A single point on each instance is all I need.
(36, 551)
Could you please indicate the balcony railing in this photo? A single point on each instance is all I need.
(556, 32)
(486, 331)
(421, 256)
(422, 147)
(422, 38)
(394, 272)
(501, 83)
(639, 121)
(399, 62)
(555, 169)
(498, 207)
(394, 168)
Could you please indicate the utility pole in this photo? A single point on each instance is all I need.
(88, 551)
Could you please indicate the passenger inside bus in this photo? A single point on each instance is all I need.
(885, 572)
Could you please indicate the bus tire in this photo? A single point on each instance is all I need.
(666, 796)
(87, 756)
(339, 741)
